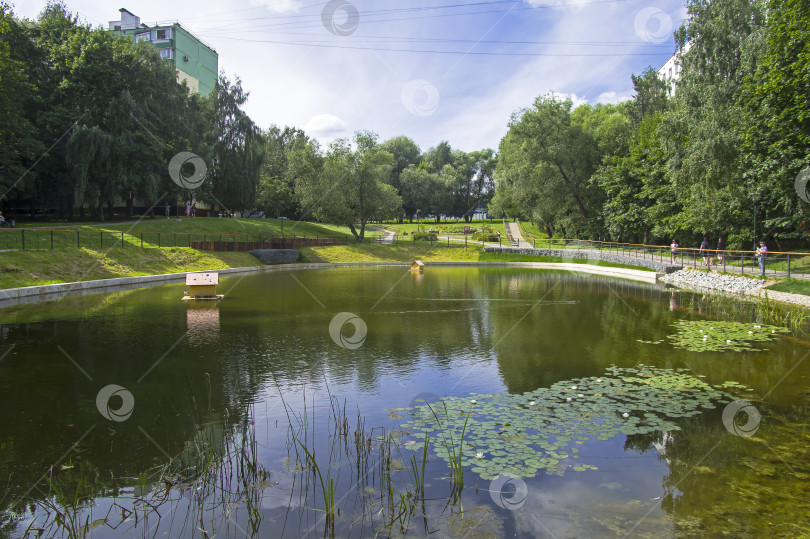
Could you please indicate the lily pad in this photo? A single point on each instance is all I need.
(521, 440)
(715, 336)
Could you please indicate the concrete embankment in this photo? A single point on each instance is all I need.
(587, 254)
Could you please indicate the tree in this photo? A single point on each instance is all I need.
(405, 152)
(651, 95)
(776, 116)
(703, 131)
(641, 203)
(237, 147)
(276, 192)
(423, 191)
(19, 144)
(550, 159)
(436, 158)
(351, 188)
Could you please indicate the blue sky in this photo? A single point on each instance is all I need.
(323, 65)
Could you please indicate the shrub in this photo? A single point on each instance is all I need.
(485, 236)
(424, 236)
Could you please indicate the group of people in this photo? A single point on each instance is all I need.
(191, 210)
(761, 252)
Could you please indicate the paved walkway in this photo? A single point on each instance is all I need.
(514, 235)
(387, 237)
(750, 270)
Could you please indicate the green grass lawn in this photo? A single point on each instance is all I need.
(208, 225)
(168, 232)
(794, 286)
(29, 268)
(217, 225)
(530, 232)
(457, 226)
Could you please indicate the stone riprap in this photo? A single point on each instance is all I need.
(661, 267)
(275, 256)
(728, 283)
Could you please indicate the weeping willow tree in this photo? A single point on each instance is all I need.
(237, 148)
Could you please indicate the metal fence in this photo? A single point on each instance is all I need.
(37, 239)
(778, 264)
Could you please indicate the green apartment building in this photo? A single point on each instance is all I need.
(196, 62)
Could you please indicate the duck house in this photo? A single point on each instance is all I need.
(417, 266)
(202, 286)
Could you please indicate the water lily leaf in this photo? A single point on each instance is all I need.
(521, 440)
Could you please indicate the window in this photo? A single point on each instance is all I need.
(162, 34)
(142, 37)
(166, 53)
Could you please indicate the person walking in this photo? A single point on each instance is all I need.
(674, 250)
(704, 250)
(761, 253)
(721, 246)
(167, 211)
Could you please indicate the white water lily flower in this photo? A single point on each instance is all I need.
(750, 332)
(568, 399)
(531, 403)
(473, 401)
(573, 387)
(757, 326)
(728, 341)
(598, 379)
(773, 331)
(625, 415)
(701, 331)
(580, 395)
(479, 455)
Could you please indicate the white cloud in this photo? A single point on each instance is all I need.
(280, 6)
(575, 100)
(325, 125)
(612, 97)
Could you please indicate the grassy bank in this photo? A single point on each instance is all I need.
(207, 225)
(793, 286)
(443, 227)
(530, 232)
(29, 268)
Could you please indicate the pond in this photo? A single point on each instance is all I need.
(363, 401)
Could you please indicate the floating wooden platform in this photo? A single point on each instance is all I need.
(198, 298)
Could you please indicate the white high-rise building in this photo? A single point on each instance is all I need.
(670, 72)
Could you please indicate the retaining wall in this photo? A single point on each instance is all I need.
(661, 267)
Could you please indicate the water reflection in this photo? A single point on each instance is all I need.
(202, 322)
(208, 383)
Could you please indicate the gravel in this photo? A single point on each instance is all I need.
(688, 278)
(729, 283)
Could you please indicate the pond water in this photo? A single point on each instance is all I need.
(571, 405)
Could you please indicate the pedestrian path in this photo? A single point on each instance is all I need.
(750, 268)
(514, 235)
(387, 237)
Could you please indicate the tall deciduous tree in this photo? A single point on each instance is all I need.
(405, 152)
(277, 183)
(552, 159)
(351, 188)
